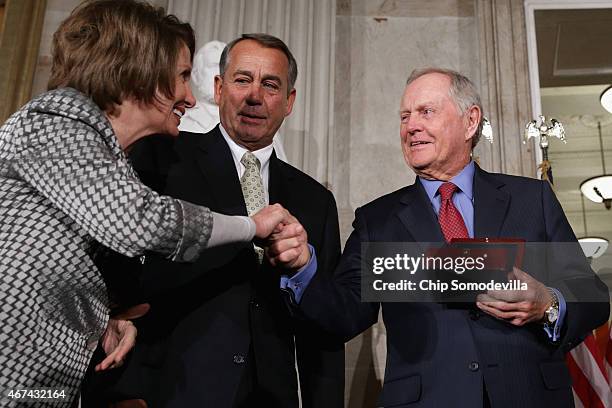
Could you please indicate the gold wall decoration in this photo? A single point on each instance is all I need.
(19, 42)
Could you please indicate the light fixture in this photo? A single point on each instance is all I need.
(599, 188)
(606, 99)
(593, 247)
(541, 131)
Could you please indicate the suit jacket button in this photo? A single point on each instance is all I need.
(474, 314)
(191, 253)
(474, 366)
(239, 359)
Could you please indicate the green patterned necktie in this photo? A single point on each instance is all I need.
(252, 189)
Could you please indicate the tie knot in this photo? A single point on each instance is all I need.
(249, 160)
(447, 190)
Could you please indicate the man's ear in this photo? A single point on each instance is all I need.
(290, 101)
(473, 118)
(218, 88)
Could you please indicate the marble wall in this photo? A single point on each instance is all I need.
(378, 43)
(57, 11)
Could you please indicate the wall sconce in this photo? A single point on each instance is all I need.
(593, 247)
(599, 188)
(606, 99)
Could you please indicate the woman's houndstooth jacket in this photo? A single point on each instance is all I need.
(65, 183)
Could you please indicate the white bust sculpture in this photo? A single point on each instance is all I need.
(205, 115)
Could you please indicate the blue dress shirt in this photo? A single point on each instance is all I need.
(298, 282)
(463, 199)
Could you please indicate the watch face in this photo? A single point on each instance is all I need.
(552, 314)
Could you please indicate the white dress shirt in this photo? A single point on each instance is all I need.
(262, 154)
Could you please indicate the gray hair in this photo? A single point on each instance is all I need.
(267, 41)
(462, 91)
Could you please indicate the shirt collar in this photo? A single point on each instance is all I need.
(464, 180)
(238, 151)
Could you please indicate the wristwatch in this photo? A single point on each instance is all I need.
(552, 313)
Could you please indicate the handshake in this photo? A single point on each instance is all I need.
(283, 238)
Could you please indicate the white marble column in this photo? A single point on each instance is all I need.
(504, 86)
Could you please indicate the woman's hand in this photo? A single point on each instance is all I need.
(120, 337)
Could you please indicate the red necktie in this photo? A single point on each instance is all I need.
(450, 219)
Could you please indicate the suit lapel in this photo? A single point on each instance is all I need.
(279, 183)
(417, 215)
(490, 205)
(217, 166)
(279, 191)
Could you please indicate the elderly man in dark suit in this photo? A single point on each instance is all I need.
(504, 350)
(220, 332)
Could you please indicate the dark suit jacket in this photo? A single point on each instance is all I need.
(210, 320)
(439, 355)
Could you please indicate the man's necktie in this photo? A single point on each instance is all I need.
(252, 189)
(450, 219)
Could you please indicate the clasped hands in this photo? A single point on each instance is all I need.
(283, 238)
(517, 307)
(276, 230)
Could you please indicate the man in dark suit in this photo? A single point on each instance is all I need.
(507, 348)
(219, 332)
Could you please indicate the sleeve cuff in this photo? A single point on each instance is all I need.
(197, 228)
(230, 228)
(300, 281)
